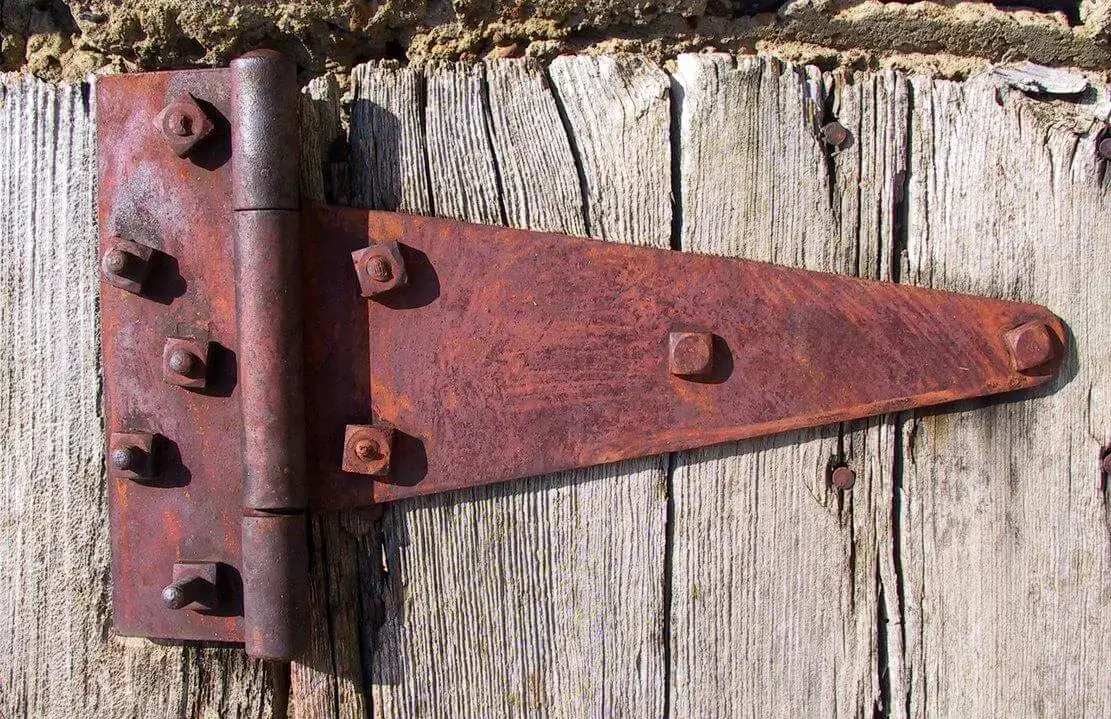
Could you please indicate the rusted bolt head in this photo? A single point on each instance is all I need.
(183, 361)
(184, 124)
(131, 455)
(194, 587)
(1103, 148)
(690, 354)
(367, 450)
(834, 133)
(126, 264)
(844, 477)
(1033, 347)
(125, 458)
(178, 124)
(380, 268)
(175, 597)
(117, 261)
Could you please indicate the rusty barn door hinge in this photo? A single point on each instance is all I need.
(248, 379)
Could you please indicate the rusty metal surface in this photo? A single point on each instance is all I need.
(514, 353)
(265, 132)
(268, 301)
(189, 510)
(275, 585)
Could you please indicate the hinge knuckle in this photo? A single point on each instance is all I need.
(268, 301)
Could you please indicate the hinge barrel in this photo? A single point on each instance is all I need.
(268, 300)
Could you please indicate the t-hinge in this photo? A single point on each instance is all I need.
(247, 379)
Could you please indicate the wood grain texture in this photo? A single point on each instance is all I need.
(57, 655)
(1004, 523)
(775, 581)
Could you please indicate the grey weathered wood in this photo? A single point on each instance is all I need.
(57, 655)
(1004, 520)
(774, 588)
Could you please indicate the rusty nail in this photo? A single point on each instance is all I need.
(1103, 148)
(379, 269)
(125, 458)
(367, 450)
(844, 477)
(183, 361)
(178, 123)
(690, 354)
(126, 264)
(1032, 345)
(834, 133)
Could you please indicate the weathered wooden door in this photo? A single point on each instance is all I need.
(967, 573)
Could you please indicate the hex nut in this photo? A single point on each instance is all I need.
(367, 449)
(691, 354)
(1034, 348)
(380, 269)
(131, 455)
(126, 264)
(184, 124)
(185, 362)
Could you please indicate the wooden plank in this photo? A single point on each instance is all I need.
(57, 655)
(1004, 520)
(541, 597)
(775, 583)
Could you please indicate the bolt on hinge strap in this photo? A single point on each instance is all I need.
(265, 198)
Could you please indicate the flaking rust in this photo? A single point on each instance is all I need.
(248, 378)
